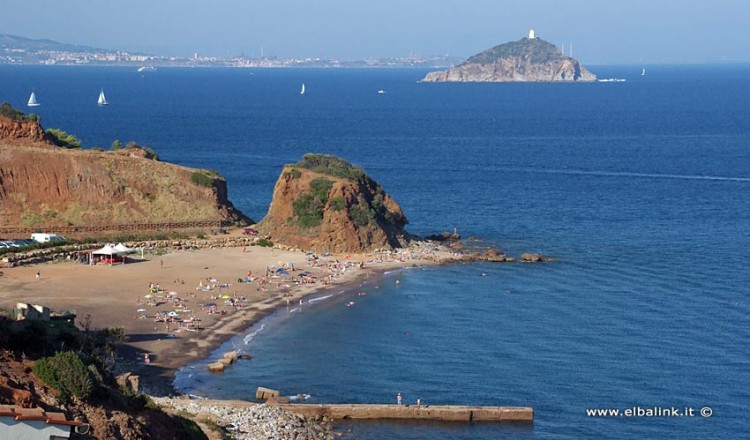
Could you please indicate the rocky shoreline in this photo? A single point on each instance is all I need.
(251, 421)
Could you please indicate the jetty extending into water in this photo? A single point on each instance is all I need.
(413, 412)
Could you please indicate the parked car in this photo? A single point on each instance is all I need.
(250, 231)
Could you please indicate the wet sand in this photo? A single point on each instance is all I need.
(113, 296)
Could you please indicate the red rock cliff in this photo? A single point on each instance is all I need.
(314, 208)
(45, 186)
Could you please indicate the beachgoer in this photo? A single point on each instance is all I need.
(419, 403)
(162, 263)
(398, 399)
(38, 275)
(146, 360)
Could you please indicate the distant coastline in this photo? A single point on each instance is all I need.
(16, 50)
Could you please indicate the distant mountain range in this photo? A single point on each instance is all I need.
(22, 50)
(11, 42)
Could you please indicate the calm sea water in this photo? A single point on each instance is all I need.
(641, 189)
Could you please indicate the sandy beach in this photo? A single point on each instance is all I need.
(187, 283)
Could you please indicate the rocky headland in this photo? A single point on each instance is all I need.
(44, 185)
(324, 203)
(525, 60)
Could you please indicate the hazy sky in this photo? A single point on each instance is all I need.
(602, 31)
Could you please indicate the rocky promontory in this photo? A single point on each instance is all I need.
(324, 203)
(47, 182)
(526, 60)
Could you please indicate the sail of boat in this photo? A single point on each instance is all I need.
(32, 101)
(102, 99)
(643, 73)
(302, 91)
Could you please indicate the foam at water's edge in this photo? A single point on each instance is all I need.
(249, 337)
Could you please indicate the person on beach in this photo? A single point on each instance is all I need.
(38, 275)
(398, 399)
(419, 403)
(146, 360)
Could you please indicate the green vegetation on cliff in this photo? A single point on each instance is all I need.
(333, 166)
(309, 207)
(8, 111)
(63, 139)
(535, 50)
(205, 177)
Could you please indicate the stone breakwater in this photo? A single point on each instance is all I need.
(251, 421)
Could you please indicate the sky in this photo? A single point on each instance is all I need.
(601, 31)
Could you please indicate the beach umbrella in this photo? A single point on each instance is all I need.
(225, 296)
(172, 314)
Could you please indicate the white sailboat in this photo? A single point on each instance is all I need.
(102, 99)
(643, 73)
(302, 91)
(32, 101)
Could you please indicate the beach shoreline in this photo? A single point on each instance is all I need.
(186, 280)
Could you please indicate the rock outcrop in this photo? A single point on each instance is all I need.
(525, 60)
(324, 203)
(43, 186)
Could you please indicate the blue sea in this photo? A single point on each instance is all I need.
(641, 190)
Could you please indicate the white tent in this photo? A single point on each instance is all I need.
(110, 251)
(122, 249)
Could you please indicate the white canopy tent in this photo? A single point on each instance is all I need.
(111, 252)
(122, 249)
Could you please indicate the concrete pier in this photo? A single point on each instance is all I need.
(425, 412)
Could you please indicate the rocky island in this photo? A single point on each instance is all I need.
(526, 60)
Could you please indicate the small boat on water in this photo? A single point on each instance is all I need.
(146, 69)
(302, 91)
(102, 99)
(381, 92)
(32, 101)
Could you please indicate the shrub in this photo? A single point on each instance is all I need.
(264, 242)
(308, 210)
(66, 373)
(333, 166)
(320, 188)
(361, 214)
(152, 154)
(63, 139)
(200, 178)
(294, 173)
(116, 145)
(338, 203)
(7, 110)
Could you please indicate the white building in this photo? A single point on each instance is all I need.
(531, 34)
(18, 423)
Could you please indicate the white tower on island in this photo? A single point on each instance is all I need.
(531, 34)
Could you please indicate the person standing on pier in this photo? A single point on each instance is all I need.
(398, 399)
